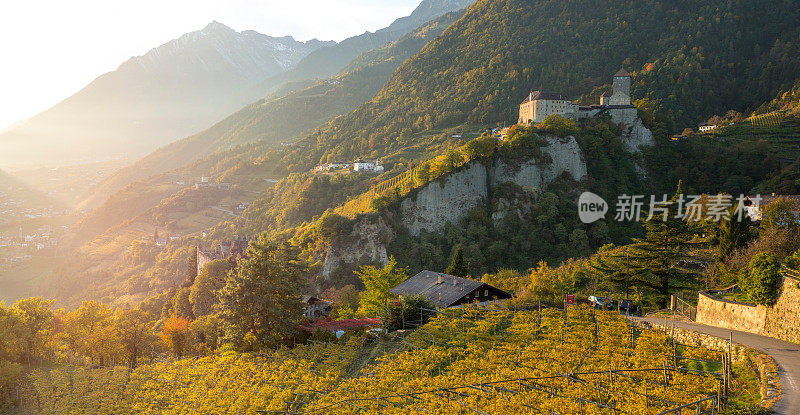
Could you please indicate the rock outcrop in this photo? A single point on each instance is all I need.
(449, 199)
(364, 245)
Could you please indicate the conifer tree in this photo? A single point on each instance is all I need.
(458, 265)
(652, 262)
(733, 233)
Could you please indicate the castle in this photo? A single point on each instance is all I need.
(538, 105)
(231, 251)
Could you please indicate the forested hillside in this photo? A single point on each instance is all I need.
(691, 59)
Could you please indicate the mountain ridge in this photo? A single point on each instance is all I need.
(175, 89)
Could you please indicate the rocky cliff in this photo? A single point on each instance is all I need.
(366, 244)
(449, 199)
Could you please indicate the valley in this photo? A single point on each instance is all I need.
(395, 222)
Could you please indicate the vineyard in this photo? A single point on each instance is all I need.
(471, 360)
(770, 120)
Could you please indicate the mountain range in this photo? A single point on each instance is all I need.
(298, 107)
(173, 90)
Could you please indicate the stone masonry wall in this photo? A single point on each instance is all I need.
(730, 314)
(781, 321)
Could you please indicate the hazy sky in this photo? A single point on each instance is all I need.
(52, 48)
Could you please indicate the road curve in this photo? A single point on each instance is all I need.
(786, 355)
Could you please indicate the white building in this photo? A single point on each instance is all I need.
(705, 127)
(369, 166)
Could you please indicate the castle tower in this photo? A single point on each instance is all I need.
(622, 89)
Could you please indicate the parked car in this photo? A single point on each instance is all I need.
(628, 307)
(600, 302)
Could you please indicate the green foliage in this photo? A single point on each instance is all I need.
(332, 226)
(733, 233)
(651, 262)
(761, 281)
(204, 292)
(458, 265)
(781, 213)
(408, 312)
(261, 301)
(480, 69)
(377, 283)
(135, 332)
(558, 125)
(793, 261)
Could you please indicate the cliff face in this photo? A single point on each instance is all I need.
(445, 200)
(365, 245)
(450, 199)
(635, 134)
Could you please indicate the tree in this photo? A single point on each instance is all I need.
(261, 302)
(182, 306)
(458, 265)
(781, 213)
(135, 334)
(191, 268)
(761, 280)
(89, 331)
(377, 283)
(652, 262)
(481, 147)
(204, 293)
(176, 334)
(618, 271)
(405, 313)
(37, 318)
(206, 332)
(733, 233)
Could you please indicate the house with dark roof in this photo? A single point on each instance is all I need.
(315, 308)
(445, 291)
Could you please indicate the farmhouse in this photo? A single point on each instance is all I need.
(315, 308)
(538, 105)
(448, 291)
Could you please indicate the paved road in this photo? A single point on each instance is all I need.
(786, 354)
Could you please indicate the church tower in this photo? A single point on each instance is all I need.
(622, 89)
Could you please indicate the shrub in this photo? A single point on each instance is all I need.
(760, 280)
(793, 260)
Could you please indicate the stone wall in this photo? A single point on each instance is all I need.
(781, 321)
(730, 314)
